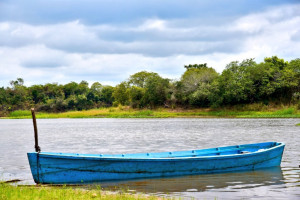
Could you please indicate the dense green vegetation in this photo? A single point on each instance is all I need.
(273, 81)
(8, 192)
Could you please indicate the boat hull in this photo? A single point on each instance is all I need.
(56, 168)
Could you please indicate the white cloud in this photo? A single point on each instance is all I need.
(151, 38)
(106, 53)
(151, 24)
(272, 32)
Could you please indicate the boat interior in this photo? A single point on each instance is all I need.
(219, 151)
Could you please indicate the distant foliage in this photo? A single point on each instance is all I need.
(196, 66)
(272, 81)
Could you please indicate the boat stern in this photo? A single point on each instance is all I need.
(34, 163)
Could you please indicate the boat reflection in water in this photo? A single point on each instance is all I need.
(201, 183)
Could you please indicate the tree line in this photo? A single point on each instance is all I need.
(272, 81)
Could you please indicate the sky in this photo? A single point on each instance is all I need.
(60, 41)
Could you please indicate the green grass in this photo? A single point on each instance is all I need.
(8, 192)
(126, 112)
(298, 124)
(282, 113)
(20, 113)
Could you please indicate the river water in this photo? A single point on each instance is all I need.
(156, 135)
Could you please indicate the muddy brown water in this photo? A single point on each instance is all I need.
(155, 135)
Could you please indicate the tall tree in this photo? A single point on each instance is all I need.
(196, 83)
(107, 95)
(156, 91)
(140, 79)
(235, 83)
(294, 67)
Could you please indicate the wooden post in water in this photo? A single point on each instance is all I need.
(36, 139)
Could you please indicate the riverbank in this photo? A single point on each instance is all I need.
(9, 192)
(127, 112)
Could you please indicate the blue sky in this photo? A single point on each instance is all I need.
(107, 41)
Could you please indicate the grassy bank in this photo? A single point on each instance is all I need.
(126, 112)
(8, 192)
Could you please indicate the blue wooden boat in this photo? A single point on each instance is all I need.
(68, 168)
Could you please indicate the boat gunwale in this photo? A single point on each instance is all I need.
(185, 158)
